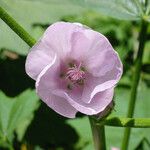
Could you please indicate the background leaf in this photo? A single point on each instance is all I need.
(120, 9)
(14, 111)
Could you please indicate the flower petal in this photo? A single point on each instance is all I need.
(56, 39)
(99, 102)
(58, 36)
(38, 58)
(100, 60)
(83, 43)
(80, 45)
(58, 104)
(93, 85)
(48, 81)
(99, 56)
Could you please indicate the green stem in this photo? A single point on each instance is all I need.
(16, 28)
(98, 132)
(136, 77)
(126, 122)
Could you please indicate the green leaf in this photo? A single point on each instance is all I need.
(14, 112)
(120, 9)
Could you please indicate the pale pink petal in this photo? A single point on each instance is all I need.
(59, 37)
(93, 85)
(100, 60)
(95, 51)
(58, 104)
(61, 106)
(49, 76)
(83, 43)
(47, 81)
(80, 45)
(99, 102)
(38, 58)
(56, 39)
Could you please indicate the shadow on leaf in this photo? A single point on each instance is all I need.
(50, 130)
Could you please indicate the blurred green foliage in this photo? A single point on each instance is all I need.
(44, 129)
(16, 114)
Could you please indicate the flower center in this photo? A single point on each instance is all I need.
(74, 75)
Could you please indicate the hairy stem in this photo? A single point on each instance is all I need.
(136, 77)
(16, 28)
(98, 132)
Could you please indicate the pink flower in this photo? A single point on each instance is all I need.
(75, 68)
